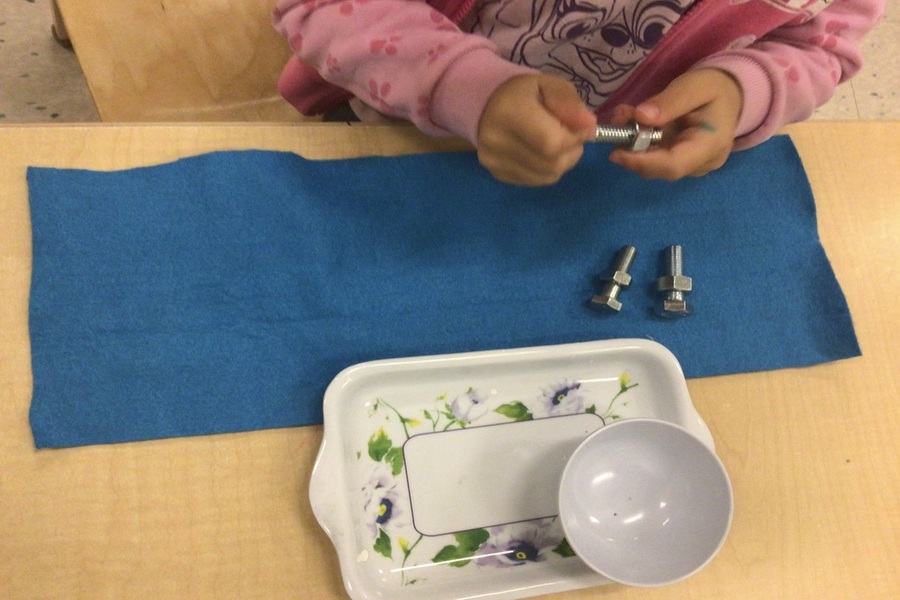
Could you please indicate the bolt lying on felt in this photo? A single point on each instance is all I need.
(637, 137)
(675, 284)
(617, 279)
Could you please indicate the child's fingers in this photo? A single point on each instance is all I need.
(528, 170)
(562, 101)
(686, 94)
(622, 114)
(669, 105)
(533, 130)
(696, 154)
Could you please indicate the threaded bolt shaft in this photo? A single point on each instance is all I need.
(675, 284)
(625, 258)
(614, 134)
(675, 260)
(675, 266)
(625, 134)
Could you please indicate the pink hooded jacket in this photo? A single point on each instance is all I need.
(408, 59)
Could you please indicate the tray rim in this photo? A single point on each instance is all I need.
(332, 520)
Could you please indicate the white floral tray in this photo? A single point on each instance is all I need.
(437, 476)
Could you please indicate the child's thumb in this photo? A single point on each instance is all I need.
(683, 95)
(561, 99)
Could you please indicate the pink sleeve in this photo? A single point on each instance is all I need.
(401, 57)
(788, 73)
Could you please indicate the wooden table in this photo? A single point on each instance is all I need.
(813, 453)
(184, 60)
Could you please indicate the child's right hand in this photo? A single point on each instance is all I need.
(533, 130)
(699, 112)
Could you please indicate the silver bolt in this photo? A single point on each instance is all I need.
(675, 284)
(617, 279)
(637, 137)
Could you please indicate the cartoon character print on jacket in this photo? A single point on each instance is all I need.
(595, 44)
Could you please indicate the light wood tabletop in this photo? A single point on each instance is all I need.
(191, 60)
(813, 453)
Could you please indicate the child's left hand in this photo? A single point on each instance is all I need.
(698, 112)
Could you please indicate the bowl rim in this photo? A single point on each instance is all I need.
(644, 420)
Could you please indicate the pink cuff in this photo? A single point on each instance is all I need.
(461, 94)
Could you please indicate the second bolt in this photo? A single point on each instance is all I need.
(674, 284)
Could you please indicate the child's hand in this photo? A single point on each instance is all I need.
(698, 112)
(533, 130)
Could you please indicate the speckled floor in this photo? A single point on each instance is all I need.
(874, 94)
(40, 81)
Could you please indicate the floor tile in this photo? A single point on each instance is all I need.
(877, 87)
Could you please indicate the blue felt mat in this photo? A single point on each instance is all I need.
(223, 292)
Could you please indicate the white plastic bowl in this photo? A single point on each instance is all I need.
(645, 503)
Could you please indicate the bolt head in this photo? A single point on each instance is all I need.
(674, 283)
(620, 278)
(674, 309)
(605, 303)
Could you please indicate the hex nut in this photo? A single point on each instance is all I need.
(643, 136)
(620, 278)
(674, 283)
(606, 302)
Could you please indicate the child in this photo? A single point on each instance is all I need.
(527, 80)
